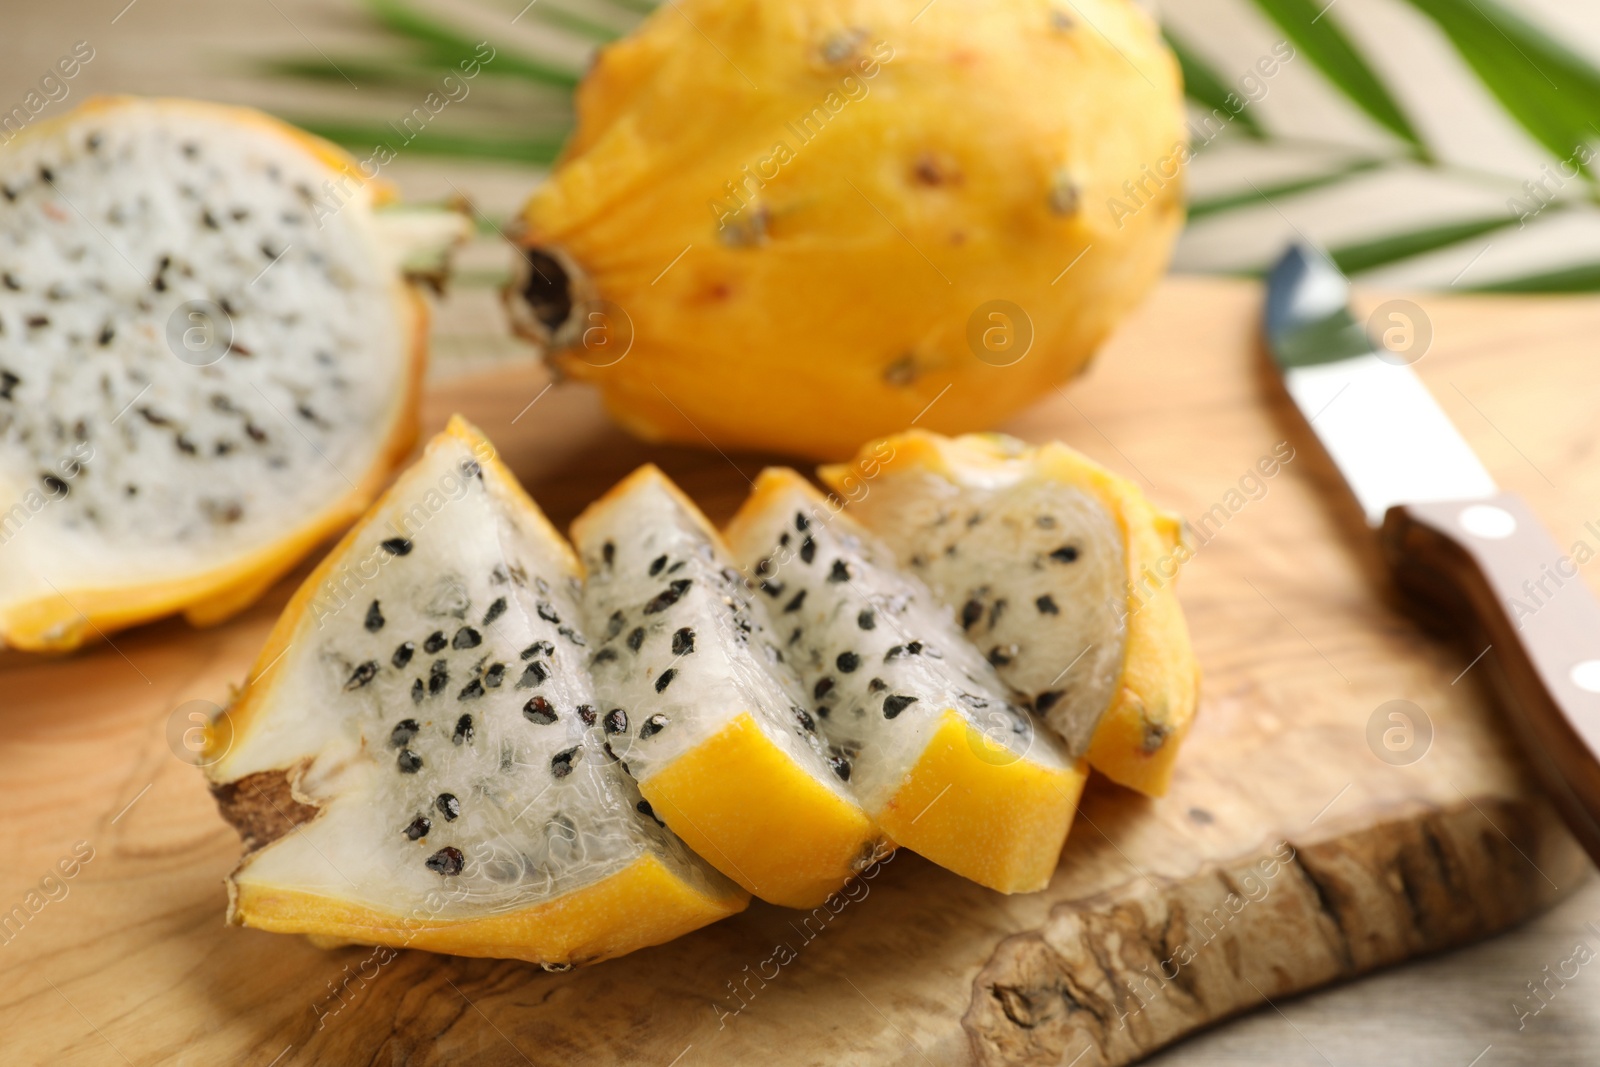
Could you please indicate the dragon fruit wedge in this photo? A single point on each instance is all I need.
(419, 757)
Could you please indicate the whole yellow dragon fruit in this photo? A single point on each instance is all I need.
(798, 226)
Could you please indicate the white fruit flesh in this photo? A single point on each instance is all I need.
(432, 697)
(141, 444)
(703, 710)
(897, 691)
(1035, 573)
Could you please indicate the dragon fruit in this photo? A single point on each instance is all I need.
(204, 370)
(940, 756)
(1060, 571)
(419, 758)
(700, 705)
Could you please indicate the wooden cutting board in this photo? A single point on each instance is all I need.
(1288, 855)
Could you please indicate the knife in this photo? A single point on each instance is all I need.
(1458, 546)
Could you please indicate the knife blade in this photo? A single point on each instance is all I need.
(1375, 418)
(1475, 556)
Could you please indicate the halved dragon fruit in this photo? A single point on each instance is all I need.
(419, 758)
(939, 754)
(701, 706)
(209, 359)
(1060, 571)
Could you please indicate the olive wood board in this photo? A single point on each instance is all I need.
(1338, 861)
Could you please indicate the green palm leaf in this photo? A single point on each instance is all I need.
(1381, 251)
(1582, 278)
(450, 47)
(1204, 86)
(1215, 205)
(1552, 91)
(362, 137)
(1313, 31)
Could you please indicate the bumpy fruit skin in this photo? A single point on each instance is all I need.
(1137, 740)
(791, 216)
(61, 623)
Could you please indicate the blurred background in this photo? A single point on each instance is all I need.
(1428, 144)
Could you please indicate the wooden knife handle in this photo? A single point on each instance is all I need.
(1493, 569)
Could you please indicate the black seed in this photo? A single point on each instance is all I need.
(548, 613)
(494, 675)
(995, 612)
(683, 642)
(666, 678)
(877, 685)
(644, 808)
(419, 828)
(374, 621)
(402, 654)
(656, 565)
(801, 523)
(668, 596)
(438, 676)
(823, 687)
(8, 382)
(362, 674)
(894, 705)
(652, 726)
(803, 717)
(971, 612)
(764, 566)
(847, 662)
(605, 655)
(808, 550)
(915, 647)
(840, 571)
(795, 637)
(57, 487)
(403, 732)
(1065, 554)
(447, 860)
(448, 806)
(1045, 701)
(463, 730)
(471, 691)
(608, 552)
(561, 762)
(1047, 605)
(538, 710)
(466, 637)
(538, 648)
(795, 602)
(536, 673)
(408, 761)
(771, 588)
(636, 638)
(417, 691)
(616, 721)
(586, 713)
(615, 624)
(894, 653)
(824, 712)
(867, 621)
(397, 546)
(497, 609)
(841, 767)
(999, 657)
(470, 469)
(434, 642)
(572, 635)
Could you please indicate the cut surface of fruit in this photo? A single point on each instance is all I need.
(1059, 570)
(204, 369)
(938, 752)
(424, 698)
(697, 700)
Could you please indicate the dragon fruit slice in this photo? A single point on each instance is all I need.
(1060, 571)
(700, 705)
(941, 758)
(418, 758)
(209, 360)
